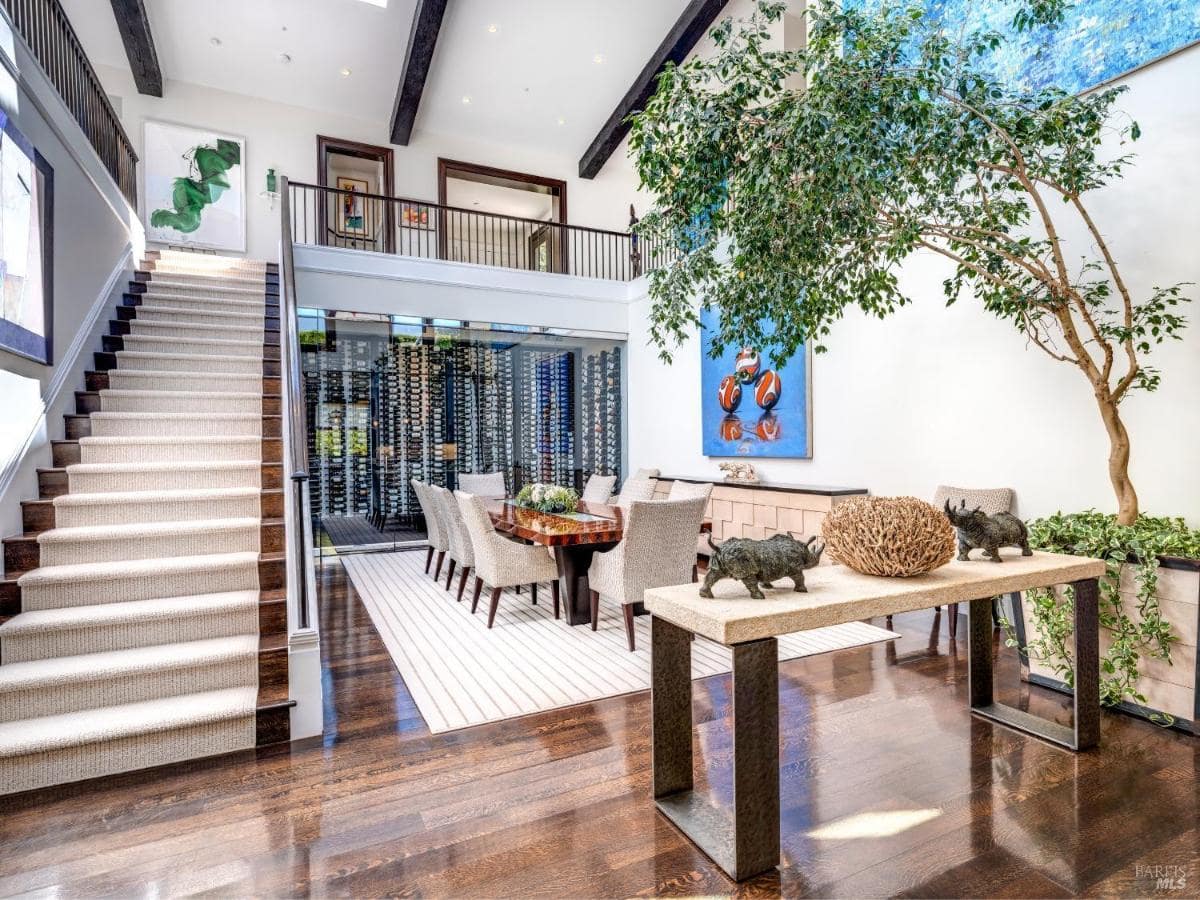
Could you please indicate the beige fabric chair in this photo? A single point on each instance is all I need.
(598, 488)
(501, 563)
(686, 490)
(436, 535)
(461, 551)
(638, 488)
(489, 485)
(990, 500)
(657, 549)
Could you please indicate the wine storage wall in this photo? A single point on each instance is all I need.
(385, 409)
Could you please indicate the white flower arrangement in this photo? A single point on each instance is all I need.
(547, 498)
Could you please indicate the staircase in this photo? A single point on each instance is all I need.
(142, 611)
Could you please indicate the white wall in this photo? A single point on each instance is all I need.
(951, 395)
(96, 235)
(285, 137)
(357, 281)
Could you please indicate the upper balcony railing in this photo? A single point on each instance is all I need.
(44, 26)
(332, 217)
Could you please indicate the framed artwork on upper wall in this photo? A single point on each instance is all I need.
(748, 408)
(1099, 40)
(352, 218)
(195, 187)
(26, 247)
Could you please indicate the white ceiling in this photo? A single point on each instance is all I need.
(536, 68)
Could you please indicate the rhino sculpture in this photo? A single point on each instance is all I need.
(758, 563)
(977, 529)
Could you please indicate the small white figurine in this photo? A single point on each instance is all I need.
(740, 472)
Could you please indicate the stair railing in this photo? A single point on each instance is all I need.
(297, 437)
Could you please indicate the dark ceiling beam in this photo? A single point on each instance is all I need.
(427, 22)
(678, 43)
(134, 26)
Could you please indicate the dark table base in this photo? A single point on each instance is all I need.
(745, 841)
(573, 562)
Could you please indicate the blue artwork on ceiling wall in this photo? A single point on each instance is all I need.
(748, 408)
(1100, 39)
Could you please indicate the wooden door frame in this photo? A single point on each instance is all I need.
(385, 155)
(558, 185)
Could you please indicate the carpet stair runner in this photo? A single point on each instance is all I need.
(142, 611)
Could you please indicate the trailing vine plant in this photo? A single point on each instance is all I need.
(1098, 535)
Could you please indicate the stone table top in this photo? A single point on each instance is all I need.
(837, 594)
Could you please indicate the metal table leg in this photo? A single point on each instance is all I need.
(744, 842)
(1086, 731)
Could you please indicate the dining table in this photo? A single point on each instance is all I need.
(574, 537)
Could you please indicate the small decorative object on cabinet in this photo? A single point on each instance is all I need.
(976, 528)
(892, 536)
(759, 563)
(739, 473)
(547, 498)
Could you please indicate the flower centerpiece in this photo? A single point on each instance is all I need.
(547, 498)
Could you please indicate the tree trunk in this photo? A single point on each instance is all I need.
(1118, 460)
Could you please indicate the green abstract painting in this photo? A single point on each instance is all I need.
(195, 187)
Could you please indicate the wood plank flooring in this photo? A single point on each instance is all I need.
(889, 788)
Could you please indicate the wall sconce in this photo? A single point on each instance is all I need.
(272, 191)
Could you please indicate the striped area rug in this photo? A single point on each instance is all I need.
(460, 674)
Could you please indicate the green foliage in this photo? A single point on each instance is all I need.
(205, 183)
(901, 142)
(1134, 632)
(312, 338)
(547, 498)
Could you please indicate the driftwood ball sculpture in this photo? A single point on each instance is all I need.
(894, 536)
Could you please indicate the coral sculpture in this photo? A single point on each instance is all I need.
(894, 536)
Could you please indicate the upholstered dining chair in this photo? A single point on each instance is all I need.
(990, 500)
(501, 563)
(638, 486)
(684, 490)
(461, 551)
(598, 488)
(488, 485)
(435, 534)
(658, 548)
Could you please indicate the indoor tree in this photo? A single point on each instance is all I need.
(898, 139)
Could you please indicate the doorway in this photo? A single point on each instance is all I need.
(499, 217)
(357, 214)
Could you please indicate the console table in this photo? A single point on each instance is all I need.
(759, 510)
(744, 842)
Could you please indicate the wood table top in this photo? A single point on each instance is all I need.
(559, 530)
(837, 594)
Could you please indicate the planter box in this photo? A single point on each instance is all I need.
(1169, 688)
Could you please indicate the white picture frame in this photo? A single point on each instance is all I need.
(213, 215)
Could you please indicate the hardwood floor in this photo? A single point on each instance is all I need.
(889, 788)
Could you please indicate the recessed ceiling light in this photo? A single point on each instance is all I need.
(345, 72)
(562, 120)
(598, 58)
(493, 28)
(215, 41)
(466, 99)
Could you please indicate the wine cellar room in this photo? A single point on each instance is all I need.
(393, 398)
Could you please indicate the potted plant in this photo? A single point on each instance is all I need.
(547, 498)
(792, 204)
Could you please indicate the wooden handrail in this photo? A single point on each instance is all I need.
(44, 27)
